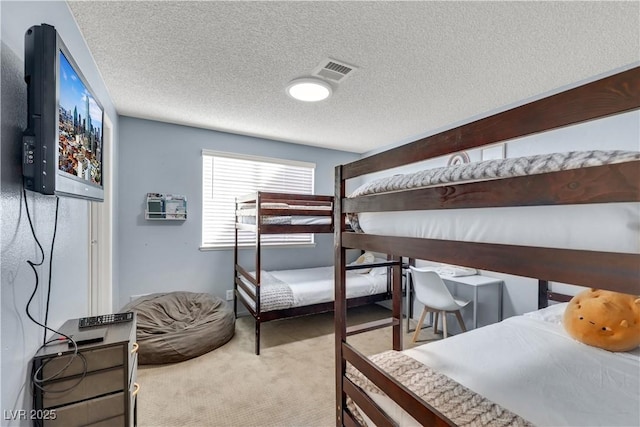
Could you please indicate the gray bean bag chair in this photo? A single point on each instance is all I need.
(176, 326)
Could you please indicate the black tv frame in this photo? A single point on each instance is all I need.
(40, 140)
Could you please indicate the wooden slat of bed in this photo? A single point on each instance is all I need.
(554, 296)
(349, 421)
(607, 270)
(250, 277)
(576, 186)
(287, 198)
(313, 199)
(371, 326)
(377, 415)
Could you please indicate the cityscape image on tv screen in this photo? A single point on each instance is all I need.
(79, 127)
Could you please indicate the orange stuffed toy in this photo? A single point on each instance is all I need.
(604, 319)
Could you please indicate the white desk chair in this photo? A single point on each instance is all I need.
(433, 293)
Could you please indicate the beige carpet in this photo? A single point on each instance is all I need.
(292, 382)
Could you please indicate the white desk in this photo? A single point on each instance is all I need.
(467, 287)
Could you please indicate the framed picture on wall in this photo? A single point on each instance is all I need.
(493, 153)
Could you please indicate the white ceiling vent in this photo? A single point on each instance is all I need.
(334, 71)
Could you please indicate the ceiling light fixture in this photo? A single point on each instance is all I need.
(309, 89)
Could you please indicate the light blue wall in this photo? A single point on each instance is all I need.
(69, 295)
(159, 256)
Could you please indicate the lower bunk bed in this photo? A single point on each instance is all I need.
(525, 370)
(290, 293)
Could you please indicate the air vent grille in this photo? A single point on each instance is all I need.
(342, 69)
(334, 71)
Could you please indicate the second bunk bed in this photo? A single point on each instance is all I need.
(273, 295)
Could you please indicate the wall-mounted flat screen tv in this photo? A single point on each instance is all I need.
(63, 142)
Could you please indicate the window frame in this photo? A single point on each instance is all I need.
(208, 155)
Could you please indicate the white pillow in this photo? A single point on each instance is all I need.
(552, 314)
(365, 258)
(455, 270)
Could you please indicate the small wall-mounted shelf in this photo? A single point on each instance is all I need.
(166, 207)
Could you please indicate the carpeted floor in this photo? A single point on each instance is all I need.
(292, 382)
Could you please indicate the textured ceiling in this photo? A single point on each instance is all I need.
(421, 65)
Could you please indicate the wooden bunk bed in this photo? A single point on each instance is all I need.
(261, 292)
(607, 184)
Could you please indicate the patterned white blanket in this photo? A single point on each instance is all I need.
(268, 220)
(250, 217)
(456, 402)
(274, 293)
(492, 169)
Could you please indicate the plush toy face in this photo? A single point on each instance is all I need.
(604, 319)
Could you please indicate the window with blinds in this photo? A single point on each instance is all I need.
(226, 176)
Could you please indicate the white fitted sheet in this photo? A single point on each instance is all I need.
(534, 369)
(610, 227)
(310, 220)
(315, 285)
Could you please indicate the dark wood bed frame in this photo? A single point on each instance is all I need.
(620, 272)
(259, 228)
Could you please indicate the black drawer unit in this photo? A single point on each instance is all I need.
(103, 393)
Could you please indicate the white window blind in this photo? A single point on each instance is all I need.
(226, 176)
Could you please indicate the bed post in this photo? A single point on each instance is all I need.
(235, 266)
(543, 296)
(258, 267)
(340, 306)
(407, 294)
(396, 283)
(258, 335)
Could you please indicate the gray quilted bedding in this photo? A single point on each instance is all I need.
(461, 405)
(274, 293)
(493, 169)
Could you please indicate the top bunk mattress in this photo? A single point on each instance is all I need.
(610, 227)
(248, 216)
(287, 220)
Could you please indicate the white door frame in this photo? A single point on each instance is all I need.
(101, 234)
